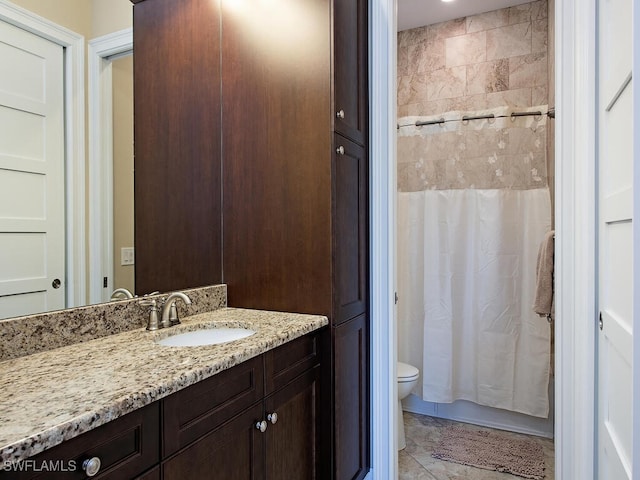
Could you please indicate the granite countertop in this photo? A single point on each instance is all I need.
(49, 397)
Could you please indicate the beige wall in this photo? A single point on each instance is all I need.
(90, 19)
(122, 69)
(110, 16)
(72, 14)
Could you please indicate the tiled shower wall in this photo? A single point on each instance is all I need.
(493, 59)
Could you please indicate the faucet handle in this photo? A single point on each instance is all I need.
(153, 313)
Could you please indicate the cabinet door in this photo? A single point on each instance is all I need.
(126, 447)
(351, 399)
(350, 66)
(151, 475)
(292, 441)
(195, 411)
(234, 451)
(350, 230)
(177, 181)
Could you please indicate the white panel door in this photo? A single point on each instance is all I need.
(32, 244)
(615, 339)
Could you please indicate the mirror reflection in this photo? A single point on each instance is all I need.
(35, 215)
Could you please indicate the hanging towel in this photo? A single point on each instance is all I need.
(544, 303)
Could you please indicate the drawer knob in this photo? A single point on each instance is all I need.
(273, 417)
(340, 114)
(340, 150)
(262, 426)
(91, 466)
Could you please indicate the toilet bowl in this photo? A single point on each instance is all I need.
(407, 380)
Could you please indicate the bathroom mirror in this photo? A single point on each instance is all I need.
(96, 18)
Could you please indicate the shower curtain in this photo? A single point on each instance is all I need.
(473, 208)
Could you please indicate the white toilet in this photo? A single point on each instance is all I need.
(407, 380)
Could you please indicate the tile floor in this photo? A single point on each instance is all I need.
(423, 434)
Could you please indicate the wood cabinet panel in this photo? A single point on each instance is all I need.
(292, 443)
(234, 451)
(350, 68)
(351, 399)
(150, 475)
(276, 148)
(177, 180)
(126, 447)
(351, 236)
(195, 411)
(286, 362)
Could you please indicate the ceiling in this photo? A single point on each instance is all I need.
(416, 13)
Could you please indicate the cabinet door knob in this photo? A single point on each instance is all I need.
(91, 466)
(273, 417)
(340, 114)
(262, 426)
(340, 150)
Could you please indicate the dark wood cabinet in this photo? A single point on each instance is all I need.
(153, 474)
(292, 443)
(276, 135)
(201, 408)
(275, 437)
(126, 447)
(350, 37)
(351, 391)
(235, 451)
(351, 237)
(264, 196)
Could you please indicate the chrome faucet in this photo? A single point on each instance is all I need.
(169, 310)
(120, 293)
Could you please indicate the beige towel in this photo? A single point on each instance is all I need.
(543, 304)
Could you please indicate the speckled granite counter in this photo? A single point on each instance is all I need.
(49, 397)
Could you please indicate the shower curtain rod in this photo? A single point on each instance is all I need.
(551, 114)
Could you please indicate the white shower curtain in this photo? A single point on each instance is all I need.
(466, 277)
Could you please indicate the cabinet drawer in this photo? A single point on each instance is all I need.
(286, 362)
(126, 447)
(195, 411)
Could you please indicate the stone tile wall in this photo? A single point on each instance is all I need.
(490, 60)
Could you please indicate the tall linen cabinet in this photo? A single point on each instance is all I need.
(251, 168)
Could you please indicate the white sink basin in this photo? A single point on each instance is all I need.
(208, 336)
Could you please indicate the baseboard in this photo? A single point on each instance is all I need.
(469, 412)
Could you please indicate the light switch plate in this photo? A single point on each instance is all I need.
(127, 256)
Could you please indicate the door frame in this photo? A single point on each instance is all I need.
(576, 233)
(100, 100)
(635, 457)
(575, 43)
(383, 164)
(73, 47)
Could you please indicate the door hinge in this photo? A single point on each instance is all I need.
(600, 322)
(396, 297)
(104, 282)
